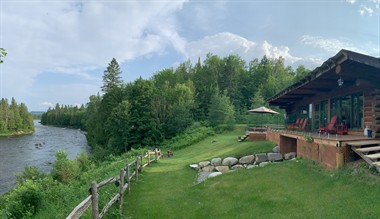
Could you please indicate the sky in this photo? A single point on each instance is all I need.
(58, 49)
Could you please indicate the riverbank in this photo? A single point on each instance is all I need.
(18, 133)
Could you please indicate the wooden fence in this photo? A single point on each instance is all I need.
(125, 174)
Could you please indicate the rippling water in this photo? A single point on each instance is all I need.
(37, 149)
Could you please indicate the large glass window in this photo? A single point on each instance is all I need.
(349, 110)
(320, 114)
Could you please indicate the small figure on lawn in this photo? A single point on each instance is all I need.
(157, 151)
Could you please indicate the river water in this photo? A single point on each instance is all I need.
(38, 150)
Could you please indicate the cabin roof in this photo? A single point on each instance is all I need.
(347, 65)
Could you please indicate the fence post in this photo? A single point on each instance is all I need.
(141, 164)
(95, 198)
(121, 190)
(148, 153)
(128, 179)
(137, 169)
(156, 154)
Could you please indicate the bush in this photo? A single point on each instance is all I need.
(190, 136)
(84, 162)
(24, 200)
(64, 170)
(31, 173)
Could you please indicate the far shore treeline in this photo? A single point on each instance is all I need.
(15, 118)
(216, 93)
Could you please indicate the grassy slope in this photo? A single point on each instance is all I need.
(296, 189)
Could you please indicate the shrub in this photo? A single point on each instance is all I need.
(84, 162)
(64, 170)
(188, 137)
(24, 200)
(31, 173)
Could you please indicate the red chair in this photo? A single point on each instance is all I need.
(331, 127)
(303, 125)
(296, 124)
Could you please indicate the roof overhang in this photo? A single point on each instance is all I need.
(348, 65)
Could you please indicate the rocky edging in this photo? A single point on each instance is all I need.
(218, 166)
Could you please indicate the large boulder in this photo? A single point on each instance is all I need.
(247, 159)
(222, 169)
(194, 166)
(208, 169)
(202, 176)
(259, 158)
(214, 174)
(274, 156)
(290, 155)
(237, 166)
(204, 163)
(263, 164)
(229, 161)
(216, 161)
(276, 149)
(251, 166)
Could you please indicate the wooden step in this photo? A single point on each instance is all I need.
(368, 149)
(363, 143)
(373, 156)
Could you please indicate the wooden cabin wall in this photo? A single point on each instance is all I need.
(371, 110)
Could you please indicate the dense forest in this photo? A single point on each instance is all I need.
(14, 118)
(216, 93)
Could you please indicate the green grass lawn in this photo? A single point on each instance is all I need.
(291, 189)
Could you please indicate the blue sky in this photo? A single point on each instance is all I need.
(58, 50)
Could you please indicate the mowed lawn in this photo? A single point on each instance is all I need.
(291, 189)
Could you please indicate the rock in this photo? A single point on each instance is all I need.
(203, 164)
(237, 166)
(223, 169)
(216, 161)
(263, 164)
(290, 155)
(259, 158)
(251, 166)
(214, 174)
(274, 157)
(194, 166)
(229, 161)
(202, 176)
(208, 169)
(276, 149)
(247, 159)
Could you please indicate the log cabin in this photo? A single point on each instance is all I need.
(343, 94)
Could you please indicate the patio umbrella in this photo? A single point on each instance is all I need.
(263, 109)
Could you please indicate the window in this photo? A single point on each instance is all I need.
(349, 109)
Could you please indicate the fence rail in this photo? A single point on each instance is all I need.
(125, 173)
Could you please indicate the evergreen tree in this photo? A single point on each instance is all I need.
(2, 54)
(221, 110)
(111, 77)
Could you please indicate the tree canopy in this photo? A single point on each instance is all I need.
(143, 113)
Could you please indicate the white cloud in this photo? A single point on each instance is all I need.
(47, 104)
(351, 1)
(363, 10)
(328, 44)
(45, 36)
(224, 44)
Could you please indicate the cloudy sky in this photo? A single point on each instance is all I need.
(59, 49)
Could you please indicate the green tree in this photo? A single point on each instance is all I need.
(221, 109)
(3, 53)
(111, 77)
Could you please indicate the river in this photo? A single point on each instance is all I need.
(38, 150)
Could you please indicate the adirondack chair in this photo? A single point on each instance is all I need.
(303, 125)
(330, 127)
(296, 124)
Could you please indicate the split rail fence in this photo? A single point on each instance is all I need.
(123, 180)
